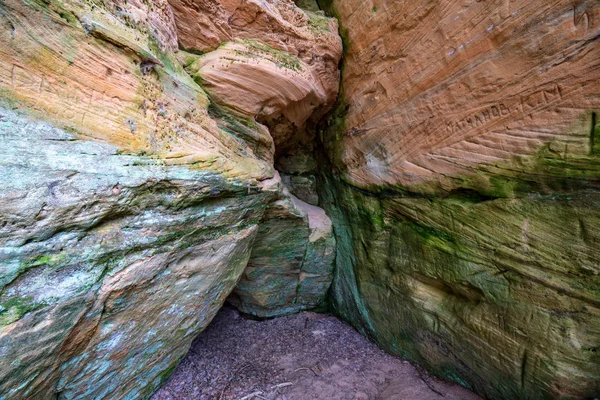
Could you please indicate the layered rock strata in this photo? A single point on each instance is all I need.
(460, 165)
(133, 191)
(272, 62)
(465, 189)
(111, 263)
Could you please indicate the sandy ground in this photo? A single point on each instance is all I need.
(307, 356)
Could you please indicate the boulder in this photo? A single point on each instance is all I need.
(291, 265)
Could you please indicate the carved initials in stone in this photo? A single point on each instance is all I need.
(479, 119)
(540, 98)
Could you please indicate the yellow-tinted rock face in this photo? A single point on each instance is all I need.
(115, 80)
(471, 130)
(133, 180)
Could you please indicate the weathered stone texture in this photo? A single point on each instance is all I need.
(439, 92)
(465, 189)
(461, 167)
(131, 198)
(291, 265)
(110, 263)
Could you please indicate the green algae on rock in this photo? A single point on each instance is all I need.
(129, 215)
(291, 265)
(459, 284)
(466, 214)
(111, 264)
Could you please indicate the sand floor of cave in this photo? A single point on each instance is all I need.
(300, 357)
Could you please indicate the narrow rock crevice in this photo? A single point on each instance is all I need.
(433, 182)
(594, 135)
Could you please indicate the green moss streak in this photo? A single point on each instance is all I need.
(317, 23)
(14, 309)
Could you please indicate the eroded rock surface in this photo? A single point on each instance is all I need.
(440, 93)
(270, 62)
(111, 263)
(461, 166)
(307, 35)
(131, 196)
(465, 189)
(291, 265)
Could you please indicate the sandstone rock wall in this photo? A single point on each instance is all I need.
(461, 165)
(270, 62)
(111, 263)
(133, 189)
(465, 189)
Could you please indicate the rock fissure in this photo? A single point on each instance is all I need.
(428, 172)
(593, 135)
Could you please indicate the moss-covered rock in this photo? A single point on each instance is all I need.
(498, 295)
(464, 196)
(110, 264)
(131, 199)
(291, 265)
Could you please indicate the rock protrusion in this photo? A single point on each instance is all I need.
(291, 265)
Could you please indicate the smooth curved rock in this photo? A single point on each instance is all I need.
(257, 81)
(204, 25)
(461, 168)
